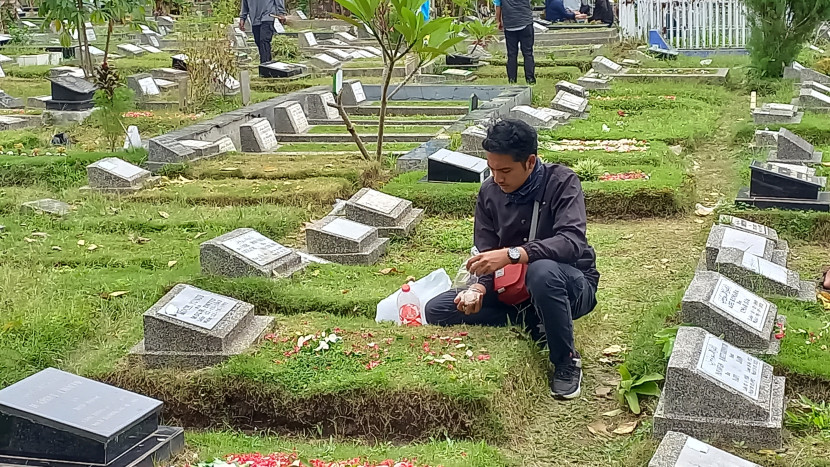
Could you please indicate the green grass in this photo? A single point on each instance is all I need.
(55, 171)
(666, 193)
(796, 355)
(372, 129)
(345, 147)
(287, 390)
(210, 445)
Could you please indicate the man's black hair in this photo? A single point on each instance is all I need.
(512, 137)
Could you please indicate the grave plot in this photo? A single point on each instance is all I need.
(721, 237)
(370, 371)
(393, 217)
(63, 419)
(246, 252)
(194, 328)
(761, 275)
(680, 450)
(726, 309)
(718, 392)
(345, 241)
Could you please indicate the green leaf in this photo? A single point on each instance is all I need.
(651, 377)
(348, 19)
(649, 389)
(624, 372)
(633, 402)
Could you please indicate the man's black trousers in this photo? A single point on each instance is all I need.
(559, 294)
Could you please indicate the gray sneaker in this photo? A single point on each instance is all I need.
(566, 379)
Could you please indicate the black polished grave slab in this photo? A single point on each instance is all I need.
(461, 59)
(55, 418)
(775, 181)
(822, 203)
(67, 52)
(450, 166)
(278, 70)
(180, 62)
(71, 93)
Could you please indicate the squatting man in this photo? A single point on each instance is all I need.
(529, 220)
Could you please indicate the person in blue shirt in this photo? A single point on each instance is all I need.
(555, 12)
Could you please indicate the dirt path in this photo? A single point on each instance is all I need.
(643, 263)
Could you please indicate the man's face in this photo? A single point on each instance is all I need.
(508, 174)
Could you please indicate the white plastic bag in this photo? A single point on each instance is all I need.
(426, 289)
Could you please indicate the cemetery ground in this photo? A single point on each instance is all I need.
(74, 289)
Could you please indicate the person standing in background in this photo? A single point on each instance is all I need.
(262, 14)
(556, 12)
(515, 18)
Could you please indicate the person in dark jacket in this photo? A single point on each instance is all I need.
(262, 14)
(561, 274)
(556, 12)
(603, 12)
(515, 17)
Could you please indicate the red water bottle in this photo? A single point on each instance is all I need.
(409, 307)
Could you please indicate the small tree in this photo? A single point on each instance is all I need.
(400, 30)
(112, 99)
(68, 16)
(109, 12)
(779, 30)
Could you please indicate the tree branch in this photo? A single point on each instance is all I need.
(338, 104)
(407, 79)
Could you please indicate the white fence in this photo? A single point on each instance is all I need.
(687, 24)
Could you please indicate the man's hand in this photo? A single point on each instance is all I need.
(282, 19)
(488, 262)
(469, 301)
(241, 24)
(501, 25)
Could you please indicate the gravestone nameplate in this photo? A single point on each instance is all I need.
(324, 61)
(317, 106)
(201, 148)
(680, 450)
(724, 308)
(290, 118)
(344, 241)
(112, 174)
(605, 66)
(768, 181)
(570, 103)
(46, 206)
(345, 36)
(307, 40)
(538, 118)
(226, 145)
(353, 93)
(822, 88)
(144, 85)
(301, 14)
(193, 328)
(594, 83)
(472, 138)
(450, 166)
(339, 54)
(131, 49)
(571, 88)
(777, 113)
(257, 135)
(762, 276)
(246, 252)
(794, 149)
(133, 138)
(706, 372)
(56, 418)
(391, 215)
(151, 49)
(722, 236)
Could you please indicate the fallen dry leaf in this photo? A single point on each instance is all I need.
(411, 279)
(164, 214)
(29, 240)
(627, 237)
(344, 291)
(603, 391)
(198, 235)
(57, 248)
(316, 273)
(612, 350)
(625, 428)
(387, 271)
(612, 413)
(598, 428)
(170, 264)
(81, 242)
(117, 293)
(40, 234)
(92, 247)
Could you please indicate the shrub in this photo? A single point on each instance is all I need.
(779, 30)
(112, 99)
(823, 66)
(588, 170)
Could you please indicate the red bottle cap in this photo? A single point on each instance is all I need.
(405, 288)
